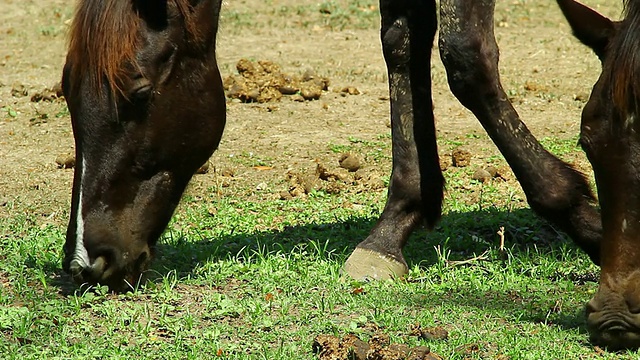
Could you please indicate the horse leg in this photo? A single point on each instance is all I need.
(554, 189)
(415, 189)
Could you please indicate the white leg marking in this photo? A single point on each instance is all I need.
(81, 256)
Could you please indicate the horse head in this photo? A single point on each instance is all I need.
(147, 109)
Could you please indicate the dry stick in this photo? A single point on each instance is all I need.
(480, 257)
(501, 248)
(501, 234)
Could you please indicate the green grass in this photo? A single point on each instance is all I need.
(259, 280)
(241, 278)
(374, 152)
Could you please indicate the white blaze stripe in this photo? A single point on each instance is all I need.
(80, 256)
(631, 119)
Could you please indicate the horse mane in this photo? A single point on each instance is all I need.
(624, 70)
(104, 37)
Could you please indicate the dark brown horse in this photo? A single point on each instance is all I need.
(138, 75)
(137, 71)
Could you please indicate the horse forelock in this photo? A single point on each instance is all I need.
(623, 69)
(104, 37)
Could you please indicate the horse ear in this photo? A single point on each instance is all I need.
(591, 28)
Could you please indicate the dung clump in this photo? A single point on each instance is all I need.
(460, 157)
(263, 81)
(379, 347)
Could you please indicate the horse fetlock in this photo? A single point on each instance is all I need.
(366, 264)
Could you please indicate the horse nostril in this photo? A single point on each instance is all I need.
(143, 257)
(76, 267)
(98, 267)
(142, 261)
(591, 306)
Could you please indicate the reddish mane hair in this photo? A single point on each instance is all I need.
(624, 72)
(104, 37)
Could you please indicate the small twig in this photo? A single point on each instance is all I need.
(480, 257)
(501, 235)
(503, 253)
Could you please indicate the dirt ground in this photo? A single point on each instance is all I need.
(547, 73)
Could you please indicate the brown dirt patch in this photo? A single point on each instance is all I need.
(292, 137)
(379, 347)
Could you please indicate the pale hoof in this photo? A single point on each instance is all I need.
(365, 264)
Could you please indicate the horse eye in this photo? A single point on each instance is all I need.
(143, 92)
(140, 89)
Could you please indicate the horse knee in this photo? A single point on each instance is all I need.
(566, 193)
(471, 62)
(395, 43)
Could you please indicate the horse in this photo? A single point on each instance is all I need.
(147, 108)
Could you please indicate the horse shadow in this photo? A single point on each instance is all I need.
(458, 236)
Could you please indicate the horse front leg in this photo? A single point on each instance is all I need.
(416, 185)
(554, 190)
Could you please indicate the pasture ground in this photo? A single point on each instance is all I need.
(242, 273)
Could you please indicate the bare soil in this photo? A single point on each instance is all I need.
(273, 145)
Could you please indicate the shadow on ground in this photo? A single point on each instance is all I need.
(463, 234)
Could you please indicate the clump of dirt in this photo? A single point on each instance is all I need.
(445, 162)
(349, 90)
(379, 347)
(429, 333)
(349, 162)
(332, 180)
(262, 81)
(503, 172)
(582, 97)
(460, 157)
(48, 94)
(299, 184)
(19, 90)
(66, 161)
(369, 180)
(468, 350)
(481, 175)
(489, 173)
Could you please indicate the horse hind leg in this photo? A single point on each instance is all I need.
(416, 185)
(554, 190)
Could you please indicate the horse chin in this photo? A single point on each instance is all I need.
(98, 272)
(613, 328)
(616, 339)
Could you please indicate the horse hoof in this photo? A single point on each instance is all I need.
(364, 264)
